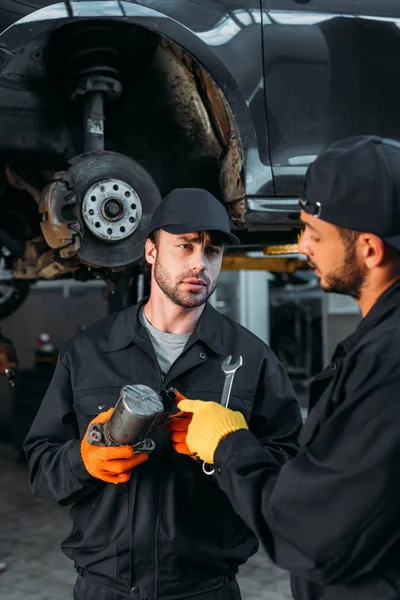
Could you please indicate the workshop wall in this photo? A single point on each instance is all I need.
(60, 311)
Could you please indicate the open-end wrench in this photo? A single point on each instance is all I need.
(229, 369)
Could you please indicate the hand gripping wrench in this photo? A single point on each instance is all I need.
(229, 369)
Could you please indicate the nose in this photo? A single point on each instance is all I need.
(304, 246)
(198, 262)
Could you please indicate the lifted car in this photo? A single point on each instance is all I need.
(107, 105)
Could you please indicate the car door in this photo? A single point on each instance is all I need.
(332, 70)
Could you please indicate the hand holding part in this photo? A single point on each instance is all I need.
(207, 424)
(137, 413)
(177, 427)
(112, 464)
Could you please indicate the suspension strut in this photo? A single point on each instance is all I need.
(94, 79)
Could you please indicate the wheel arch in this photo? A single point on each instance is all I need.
(57, 15)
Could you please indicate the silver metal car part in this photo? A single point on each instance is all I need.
(111, 209)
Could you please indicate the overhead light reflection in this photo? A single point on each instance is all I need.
(101, 8)
(55, 11)
(302, 160)
(226, 29)
(294, 17)
(221, 34)
(244, 17)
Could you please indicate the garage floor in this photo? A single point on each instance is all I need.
(30, 532)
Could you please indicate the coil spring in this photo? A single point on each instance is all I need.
(93, 52)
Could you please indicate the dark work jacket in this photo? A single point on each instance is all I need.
(331, 516)
(169, 532)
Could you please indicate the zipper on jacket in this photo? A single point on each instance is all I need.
(164, 378)
(153, 356)
(179, 372)
(161, 489)
(157, 524)
(157, 536)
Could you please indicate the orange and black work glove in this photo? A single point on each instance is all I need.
(177, 427)
(112, 464)
(199, 432)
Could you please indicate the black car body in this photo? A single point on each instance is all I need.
(105, 106)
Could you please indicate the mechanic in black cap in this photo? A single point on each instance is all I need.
(331, 516)
(151, 527)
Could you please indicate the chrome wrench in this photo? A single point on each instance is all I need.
(229, 369)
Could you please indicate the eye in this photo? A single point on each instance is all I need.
(312, 235)
(213, 250)
(184, 246)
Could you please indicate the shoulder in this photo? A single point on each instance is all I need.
(247, 343)
(377, 355)
(382, 340)
(96, 335)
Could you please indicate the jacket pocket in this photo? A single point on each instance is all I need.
(98, 520)
(91, 402)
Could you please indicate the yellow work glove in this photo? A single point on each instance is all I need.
(207, 424)
(112, 464)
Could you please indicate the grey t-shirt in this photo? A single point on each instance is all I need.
(167, 346)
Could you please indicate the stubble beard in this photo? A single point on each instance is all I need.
(180, 297)
(347, 280)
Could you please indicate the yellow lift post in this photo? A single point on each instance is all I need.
(273, 260)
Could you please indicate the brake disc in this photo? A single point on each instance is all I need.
(117, 198)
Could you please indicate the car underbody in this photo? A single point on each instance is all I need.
(101, 119)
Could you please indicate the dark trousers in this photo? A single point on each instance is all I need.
(84, 590)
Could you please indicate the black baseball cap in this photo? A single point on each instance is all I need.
(355, 183)
(191, 209)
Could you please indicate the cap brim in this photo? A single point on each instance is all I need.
(393, 241)
(191, 227)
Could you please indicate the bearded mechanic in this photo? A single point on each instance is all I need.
(331, 515)
(155, 526)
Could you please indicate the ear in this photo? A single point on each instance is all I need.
(373, 250)
(150, 251)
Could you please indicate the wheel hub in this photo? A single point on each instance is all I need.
(111, 209)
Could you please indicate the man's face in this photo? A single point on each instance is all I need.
(187, 266)
(337, 264)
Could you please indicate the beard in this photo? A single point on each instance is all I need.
(348, 279)
(179, 296)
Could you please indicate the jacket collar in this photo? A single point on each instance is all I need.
(128, 329)
(209, 329)
(382, 309)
